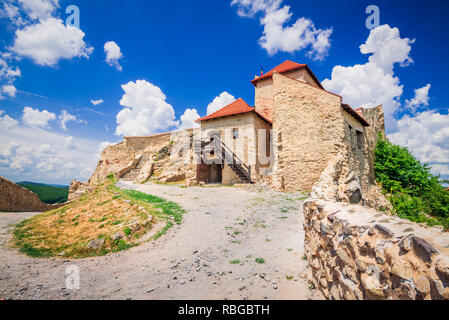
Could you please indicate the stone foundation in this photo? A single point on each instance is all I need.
(357, 253)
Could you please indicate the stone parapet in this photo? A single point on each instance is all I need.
(356, 252)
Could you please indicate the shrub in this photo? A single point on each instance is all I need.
(414, 192)
(127, 231)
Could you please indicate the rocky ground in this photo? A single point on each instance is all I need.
(212, 255)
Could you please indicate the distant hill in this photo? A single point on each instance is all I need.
(48, 193)
(28, 183)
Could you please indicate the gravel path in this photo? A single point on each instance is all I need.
(191, 261)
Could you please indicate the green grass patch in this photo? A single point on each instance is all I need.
(63, 232)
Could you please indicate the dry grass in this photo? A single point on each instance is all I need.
(99, 215)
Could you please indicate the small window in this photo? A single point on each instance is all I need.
(359, 139)
(235, 133)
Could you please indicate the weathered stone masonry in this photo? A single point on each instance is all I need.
(358, 253)
(14, 198)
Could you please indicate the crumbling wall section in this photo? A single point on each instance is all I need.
(116, 160)
(14, 198)
(358, 253)
(349, 176)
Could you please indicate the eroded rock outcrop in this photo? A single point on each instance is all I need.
(356, 252)
(175, 162)
(164, 157)
(339, 182)
(78, 189)
(117, 160)
(14, 198)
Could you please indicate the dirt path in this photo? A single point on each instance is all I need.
(191, 261)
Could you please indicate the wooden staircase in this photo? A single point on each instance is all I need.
(242, 170)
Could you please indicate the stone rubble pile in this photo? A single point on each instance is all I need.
(357, 253)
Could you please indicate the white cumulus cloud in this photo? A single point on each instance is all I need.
(426, 135)
(188, 119)
(113, 54)
(96, 102)
(11, 12)
(35, 153)
(387, 48)
(249, 8)
(6, 71)
(37, 118)
(104, 144)
(65, 117)
(146, 110)
(39, 9)
(421, 98)
(6, 122)
(49, 41)
(69, 143)
(9, 90)
(279, 36)
(373, 83)
(219, 102)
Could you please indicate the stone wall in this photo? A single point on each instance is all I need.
(137, 158)
(358, 253)
(349, 176)
(264, 97)
(244, 146)
(265, 92)
(321, 147)
(155, 142)
(117, 160)
(14, 198)
(140, 143)
(310, 128)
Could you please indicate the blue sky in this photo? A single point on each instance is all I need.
(186, 54)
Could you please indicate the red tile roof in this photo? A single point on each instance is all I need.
(239, 106)
(447, 189)
(285, 67)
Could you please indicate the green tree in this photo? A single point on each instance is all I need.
(48, 194)
(412, 189)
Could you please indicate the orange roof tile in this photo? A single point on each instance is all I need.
(239, 106)
(447, 189)
(285, 67)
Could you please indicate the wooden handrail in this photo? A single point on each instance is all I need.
(239, 164)
(230, 151)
